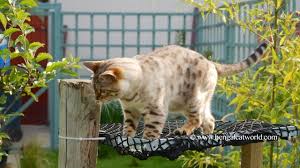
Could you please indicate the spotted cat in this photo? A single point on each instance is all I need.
(171, 78)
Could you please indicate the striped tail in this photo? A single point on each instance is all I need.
(230, 69)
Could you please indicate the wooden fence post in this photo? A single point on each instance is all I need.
(79, 117)
(252, 155)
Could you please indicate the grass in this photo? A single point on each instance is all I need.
(108, 158)
(33, 156)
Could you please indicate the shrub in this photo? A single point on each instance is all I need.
(21, 79)
(270, 92)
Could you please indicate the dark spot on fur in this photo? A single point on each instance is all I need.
(150, 126)
(149, 134)
(130, 123)
(129, 120)
(192, 115)
(153, 107)
(248, 62)
(188, 72)
(188, 86)
(199, 73)
(156, 131)
(195, 62)
(253, 57)
(131, 98)
(127, 111)
(155, 113)
(157, 123)
(193, 76)
(259, 50)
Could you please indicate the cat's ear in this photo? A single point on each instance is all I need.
(108, 77)
(92, 66)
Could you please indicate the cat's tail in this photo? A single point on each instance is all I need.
(230, 69)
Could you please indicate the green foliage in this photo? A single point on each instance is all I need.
(109, 158)
(208, 53)
(21, 79)
(111, 112)
(213, 157)
(271, 91)
(180, 37)
(193, 159)
(34, 156)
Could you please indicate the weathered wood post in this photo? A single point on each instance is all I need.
(79, 118)
(252, 155)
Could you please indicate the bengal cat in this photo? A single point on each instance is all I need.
(171, 78)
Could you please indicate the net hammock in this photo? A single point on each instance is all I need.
(226, 133)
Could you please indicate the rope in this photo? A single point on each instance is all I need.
(82, 138)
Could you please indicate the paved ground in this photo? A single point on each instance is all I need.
(31, 133)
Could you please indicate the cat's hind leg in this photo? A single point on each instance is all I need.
(208, 121)
(198, 114)
(193, 113)
(131, 120)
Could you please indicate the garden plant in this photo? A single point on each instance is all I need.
(268, 92)
(19, 80)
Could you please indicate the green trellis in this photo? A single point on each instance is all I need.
(227, 42)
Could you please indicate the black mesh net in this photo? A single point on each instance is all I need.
(171, 146)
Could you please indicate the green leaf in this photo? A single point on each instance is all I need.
(3, 99)
(69, 72)
(287, 78)
(3, 20)
(35, 46)
(29, 3)
(43, 56)
(274, 55)
(15, 55)
(54, 65)
(10, 31)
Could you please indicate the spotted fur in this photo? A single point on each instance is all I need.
(171, 78)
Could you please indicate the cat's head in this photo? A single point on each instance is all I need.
(110, 81)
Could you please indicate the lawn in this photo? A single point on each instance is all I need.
(108, 158)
